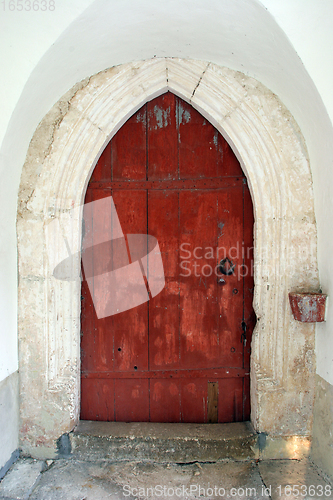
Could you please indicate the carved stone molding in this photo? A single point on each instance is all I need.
(61, 157)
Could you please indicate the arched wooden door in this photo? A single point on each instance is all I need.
(184, 355)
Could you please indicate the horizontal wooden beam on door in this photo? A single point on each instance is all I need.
(156, 374)
(209, 183)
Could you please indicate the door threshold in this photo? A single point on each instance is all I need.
(163, 442)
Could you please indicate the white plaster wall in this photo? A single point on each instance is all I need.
(44, 54)
(309, 26)
(24, 38)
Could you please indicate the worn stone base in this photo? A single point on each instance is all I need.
(322, 442)
(9, 413)
(177, 443)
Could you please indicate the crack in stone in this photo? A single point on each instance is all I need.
(262, 480)
(201, 77)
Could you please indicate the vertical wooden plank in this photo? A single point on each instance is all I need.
(102, 171)
(249, 315)
(164, 308)
(128, 149)
(162, 138)
(88, 315)
(131, 400)
(246, 399)
(238, 401)
(129, 161)
(97, 346)
(165, 400)
(199, 335)
(230, 289)
(98, 400)
(193, 400)
(130, 328)
(212, 402)
(230, 405)
(227, 164)
(198, 144)
(103, 342)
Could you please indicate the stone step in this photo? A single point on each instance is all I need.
(158, 442)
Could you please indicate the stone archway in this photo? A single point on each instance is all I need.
(62, 154)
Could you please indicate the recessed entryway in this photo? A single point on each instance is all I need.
(66, 146)
(183, 355)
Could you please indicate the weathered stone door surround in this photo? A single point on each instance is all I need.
(61, 157)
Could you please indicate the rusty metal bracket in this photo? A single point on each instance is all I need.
(308, 307)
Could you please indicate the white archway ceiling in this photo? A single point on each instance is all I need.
(238, 34)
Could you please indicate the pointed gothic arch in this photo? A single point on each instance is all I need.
(61, 157)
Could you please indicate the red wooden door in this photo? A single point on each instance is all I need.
(184, 355)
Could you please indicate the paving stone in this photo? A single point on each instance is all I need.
(239, 480)
(73, 480)
(21, 479)
(293, 479)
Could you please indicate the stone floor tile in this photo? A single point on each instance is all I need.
(238, 480)
(73, 480)
(293, 479)
(21, 478)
